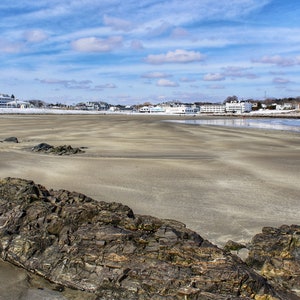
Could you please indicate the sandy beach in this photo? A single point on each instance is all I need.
(224, 183)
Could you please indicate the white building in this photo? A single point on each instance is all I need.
(4, 99)
(212, 108)
(152, 109)
(144, 109)
(177, 109)
(238, 107)
(17, 104)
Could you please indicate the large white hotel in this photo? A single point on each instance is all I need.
(229, 107)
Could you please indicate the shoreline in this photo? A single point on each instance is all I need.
(254, 114)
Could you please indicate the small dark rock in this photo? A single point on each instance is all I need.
(42, 147)
(11, 139)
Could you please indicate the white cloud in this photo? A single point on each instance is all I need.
(213, 77)
(177, 56)
(167, 83)
(93, 44)
(35, 36)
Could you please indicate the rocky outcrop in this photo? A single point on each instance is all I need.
(275, 253)
(106, 249)
(59, 150)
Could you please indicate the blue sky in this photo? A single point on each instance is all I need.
(130, 52)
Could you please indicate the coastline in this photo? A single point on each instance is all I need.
(253, 114)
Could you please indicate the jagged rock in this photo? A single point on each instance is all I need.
(60, 150)
(11, 139)
(276, 254)
(105, 249)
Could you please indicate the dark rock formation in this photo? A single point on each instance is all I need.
(233, 246)
(11, 139)
(60, 150)
(105, 249)
(276, 254)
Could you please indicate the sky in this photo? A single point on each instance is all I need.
(132, 52)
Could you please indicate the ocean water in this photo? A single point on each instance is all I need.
(260, 123)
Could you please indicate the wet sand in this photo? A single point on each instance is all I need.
(224, 183)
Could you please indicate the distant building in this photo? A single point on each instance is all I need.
(4, 99)
(238, 107)
(96, 105)
(176, 108)
(152, 109)
(144, 109)
(157, 109)
(17, 104)
(212, 108)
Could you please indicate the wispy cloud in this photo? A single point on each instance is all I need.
(215, 87)
(70, 84)
(152, 75)
(278, 60)
(177, 56)
(10, 47)
(35, 36)
(178, 33)
(213, 77)
(136, 45)
(106, 86)
(186, 79)
(280, 80)
(93, 44)
(234, 71)
(117, 23)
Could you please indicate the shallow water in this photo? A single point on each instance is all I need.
(263, 123)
